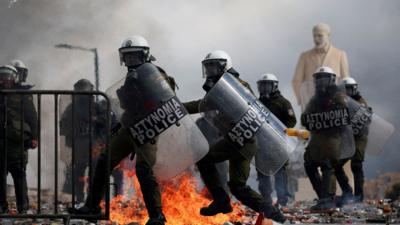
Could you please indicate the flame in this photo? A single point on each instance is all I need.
(181, 204)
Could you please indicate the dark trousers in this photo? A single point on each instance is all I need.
(321, 183)
(17, 169)
(342, 178)
(120, 147)
(358, 174)
(281, 186)
(356, 168)
(78, 182)
(118, 184)
(239, 169)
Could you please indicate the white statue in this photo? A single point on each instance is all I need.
(323, 54)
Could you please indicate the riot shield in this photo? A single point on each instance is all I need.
(380, 131)
(111, 92)
(327, 117)
(360, 117)
(367, 123)
(147, 106)
(210, 132)
(307, 91)
(213, 136)
(241, 118)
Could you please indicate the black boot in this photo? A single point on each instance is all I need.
(221, 203)
(86, 210)
(97, 188)
(345, 199)
(273, 213)
(216, 207)
(324, 204)
(159, 220)
(358, 198)
(96, 191)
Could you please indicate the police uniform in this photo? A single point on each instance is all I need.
(80, 118)
(361, 140)
(101, 134)
(282, 109)
(239, 168)
(121, 146)
(17, 155)
(324, 148)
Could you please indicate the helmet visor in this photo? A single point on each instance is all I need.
(323, 81)
(214, 68)
(6, 79)
(265, 87)
(134, 56)
(351, 89)
(22, 74)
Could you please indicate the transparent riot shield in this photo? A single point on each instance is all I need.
(241, 118)
(213, 136)
(147, 106)
(360, 117)
(379, 132)
(307, 91)
(210, 132)
(326, 116)
(367, 123)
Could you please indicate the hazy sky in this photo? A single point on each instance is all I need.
(261, 36)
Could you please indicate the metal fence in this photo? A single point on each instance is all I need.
(6, 95)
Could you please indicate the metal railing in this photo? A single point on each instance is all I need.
(6, 95)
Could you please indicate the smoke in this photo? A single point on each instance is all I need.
(261, 36)
(11, 3)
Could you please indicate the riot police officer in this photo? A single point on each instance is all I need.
(215, 64)
(100, 136)
(361, 139)
(326, 117)
(272, 98)
(22, 74)
(78, 137)
(14, 153)
(134, 52)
